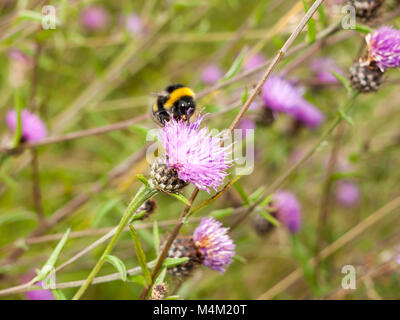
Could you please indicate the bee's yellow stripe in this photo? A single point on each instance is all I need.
(177, 94)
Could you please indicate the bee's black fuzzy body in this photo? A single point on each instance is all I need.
(176, 102)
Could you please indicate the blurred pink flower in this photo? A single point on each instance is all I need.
(322, 68)
(211, 74)
(246, 124)
(287, 209)
(95, 18)
(134, 24)
(255, 61)
(20, 64)
(398, 255)
(309, 115)
(281, 95)
(33, 128)
(347, 193)
(44, 294)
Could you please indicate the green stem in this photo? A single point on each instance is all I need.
(142, 195)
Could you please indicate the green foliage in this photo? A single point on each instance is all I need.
(48, 267)
(118, 264)
(140, 255)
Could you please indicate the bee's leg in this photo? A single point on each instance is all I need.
(163, 117)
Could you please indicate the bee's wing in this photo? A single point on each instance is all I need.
(159, 94)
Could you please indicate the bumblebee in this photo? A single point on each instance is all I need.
(176, 101)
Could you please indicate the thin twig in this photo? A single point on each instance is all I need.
(77, 134)
(71, 284)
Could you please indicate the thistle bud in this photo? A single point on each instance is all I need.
(159, 291)
(148, 207)
(164, 178)
(180, 248)
(366, 10)
(261, 225)
(365, 78)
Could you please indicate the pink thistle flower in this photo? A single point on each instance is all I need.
(309, 115)
(347, 193)
(257, 60)
(214, 243)
(281, 95)
(246, 124)
(134, 24)
(95, 18)
(211, 74)
(20, 57)
(384, 47)
(322, 68)
(288, 210)
(44, 294)
(33, 128)
(194, 154)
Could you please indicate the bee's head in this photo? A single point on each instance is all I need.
(184, 108)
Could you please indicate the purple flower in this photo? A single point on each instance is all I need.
(194, 154)
(347, 193)
(254, 62)
(322, 68)
(246, 124)
(255, 106)
(33, 128)
(384, 47)
(16, 55)
(134, 24)
(309, 115)
(95, 18)
(398, 255)
(20, 64)
(45, 294)
(280, 95)
(288, 210)
(211, 74)
(214, 243)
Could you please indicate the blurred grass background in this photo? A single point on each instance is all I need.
(87, 79)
